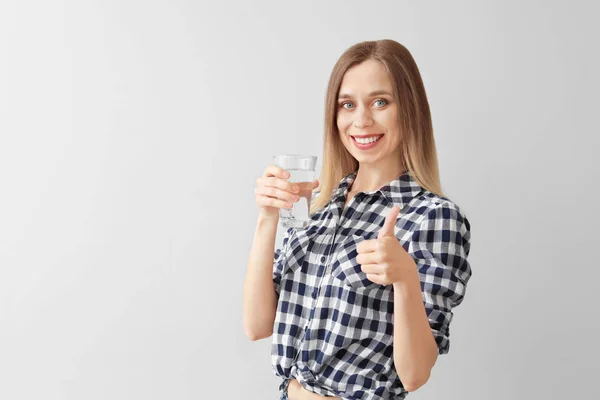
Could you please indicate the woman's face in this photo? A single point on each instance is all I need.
(366, 106)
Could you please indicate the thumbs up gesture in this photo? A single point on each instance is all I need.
(384, 260)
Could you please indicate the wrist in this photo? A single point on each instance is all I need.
(409, 286)
(265, 222)
(265, 218)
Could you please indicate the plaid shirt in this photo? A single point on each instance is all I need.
(333, 327)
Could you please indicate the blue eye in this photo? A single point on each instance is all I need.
(344, 104)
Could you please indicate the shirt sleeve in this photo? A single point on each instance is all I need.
(440, 246)
(279, 261)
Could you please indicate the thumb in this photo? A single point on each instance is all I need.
(315, 183)
(390, 222)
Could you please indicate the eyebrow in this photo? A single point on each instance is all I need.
(375, 93)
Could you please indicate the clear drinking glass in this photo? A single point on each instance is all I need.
(302, 173)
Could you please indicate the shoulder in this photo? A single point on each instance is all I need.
(439, 223)
(427, 208)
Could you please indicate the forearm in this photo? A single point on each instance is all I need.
(260, 300)
(415, 349)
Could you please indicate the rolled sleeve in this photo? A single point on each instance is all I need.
(440, 246)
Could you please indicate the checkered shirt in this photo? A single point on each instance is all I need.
(333, 328)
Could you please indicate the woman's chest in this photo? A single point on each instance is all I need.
(329, 244)
(349, 198)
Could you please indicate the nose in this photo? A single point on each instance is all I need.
(362, 118)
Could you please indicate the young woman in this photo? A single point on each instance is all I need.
(360, 301)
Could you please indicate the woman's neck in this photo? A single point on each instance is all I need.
(371, 179)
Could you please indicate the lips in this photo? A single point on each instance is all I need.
(367, 146)
(367, 136)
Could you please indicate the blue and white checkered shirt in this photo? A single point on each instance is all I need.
(333, 329)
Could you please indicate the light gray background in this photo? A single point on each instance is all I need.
(132, 133)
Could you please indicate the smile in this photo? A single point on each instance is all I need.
(366, 144)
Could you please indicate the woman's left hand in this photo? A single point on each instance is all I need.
(384, 260)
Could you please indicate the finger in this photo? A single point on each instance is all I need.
(276, 176)
(265, 201)
(276, 193)
(373, 257)
(390, 223)
(277, 182)
(274, 170)
(316, 183)
(368, 246)
(376, 269)
(377, 279)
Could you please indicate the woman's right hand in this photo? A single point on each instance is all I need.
(273, 192)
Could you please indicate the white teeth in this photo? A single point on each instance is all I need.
(367, 141)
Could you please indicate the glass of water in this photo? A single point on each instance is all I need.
(302, 173)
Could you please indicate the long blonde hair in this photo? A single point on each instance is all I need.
(418, 149)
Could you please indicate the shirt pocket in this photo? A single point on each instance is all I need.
(297, 251)
(347, 269)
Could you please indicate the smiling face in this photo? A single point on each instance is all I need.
(366, 107)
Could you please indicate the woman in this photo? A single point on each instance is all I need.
(363, 296)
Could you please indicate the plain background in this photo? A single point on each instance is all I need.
(132, 133)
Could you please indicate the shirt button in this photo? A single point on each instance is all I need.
(314, 294)
(322, 258)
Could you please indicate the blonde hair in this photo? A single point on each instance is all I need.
(418, 149)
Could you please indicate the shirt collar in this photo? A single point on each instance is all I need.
(399, 191)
